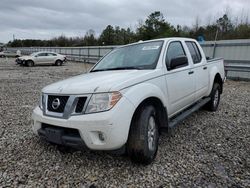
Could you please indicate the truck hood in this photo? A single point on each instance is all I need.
(96, 82)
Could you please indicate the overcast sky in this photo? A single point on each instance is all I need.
(44, 19)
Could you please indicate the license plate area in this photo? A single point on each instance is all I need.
(54, 135)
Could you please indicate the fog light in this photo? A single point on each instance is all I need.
(101, 136)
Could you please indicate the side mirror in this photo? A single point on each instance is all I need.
(207, 58)
(178, 62)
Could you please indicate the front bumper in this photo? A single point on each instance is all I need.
(98, 131)
(20, 62)
(61, 136)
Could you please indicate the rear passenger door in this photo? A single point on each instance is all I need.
(180, 81)
(41, 58)
(51, 57)
(200, 69)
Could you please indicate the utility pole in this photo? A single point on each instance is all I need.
(216, 36)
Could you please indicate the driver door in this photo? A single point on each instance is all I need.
(180, 80)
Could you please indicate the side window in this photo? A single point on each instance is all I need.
(51, 54)
(175, 49)
(42, 54)
(194, 51)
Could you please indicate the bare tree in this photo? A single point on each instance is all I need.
(197, 23)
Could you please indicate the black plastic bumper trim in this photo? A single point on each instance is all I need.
(59, 136)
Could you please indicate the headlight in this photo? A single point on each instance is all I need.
(102, 102)
(41, 101)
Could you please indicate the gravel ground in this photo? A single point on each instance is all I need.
(206, 150)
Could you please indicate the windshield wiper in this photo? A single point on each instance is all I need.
(117, 68)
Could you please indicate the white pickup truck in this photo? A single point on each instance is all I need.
(129, 97)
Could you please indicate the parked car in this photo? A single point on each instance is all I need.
(129, 97)
(10, 54)
(39, 58)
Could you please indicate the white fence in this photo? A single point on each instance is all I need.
(236, 54)
(81, 54)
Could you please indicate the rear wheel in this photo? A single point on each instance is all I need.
(143, 139)
(58, 63)
(30, 63)
(213, 104)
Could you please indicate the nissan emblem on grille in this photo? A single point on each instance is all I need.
(55, 104)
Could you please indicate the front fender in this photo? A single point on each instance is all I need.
(28, 60)
(138, 93)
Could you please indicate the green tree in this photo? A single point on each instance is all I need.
(225, 24)
(89, 38)
(155, 26)
(107, 36)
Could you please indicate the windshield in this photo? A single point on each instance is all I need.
(33, 54)
(137, 56)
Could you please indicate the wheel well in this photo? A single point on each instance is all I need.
(161, 111)
(218, 80)
(29, 60)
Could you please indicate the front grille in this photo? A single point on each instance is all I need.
(80, 104)
(53, 101)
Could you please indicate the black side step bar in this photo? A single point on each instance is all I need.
(183, 115)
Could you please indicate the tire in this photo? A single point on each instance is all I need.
(143, 138)
(58, 63)
(213, 104)
(30, 63)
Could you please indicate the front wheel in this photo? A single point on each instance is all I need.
(30, 63)
(143, 139)
(213, 104)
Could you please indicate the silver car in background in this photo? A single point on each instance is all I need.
(39, 58)
(7, 53)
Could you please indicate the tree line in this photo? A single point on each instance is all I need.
(155, 26)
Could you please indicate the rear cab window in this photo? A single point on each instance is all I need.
(194, 51)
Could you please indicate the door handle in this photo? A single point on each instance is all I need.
(191, 72)
(204, 68)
